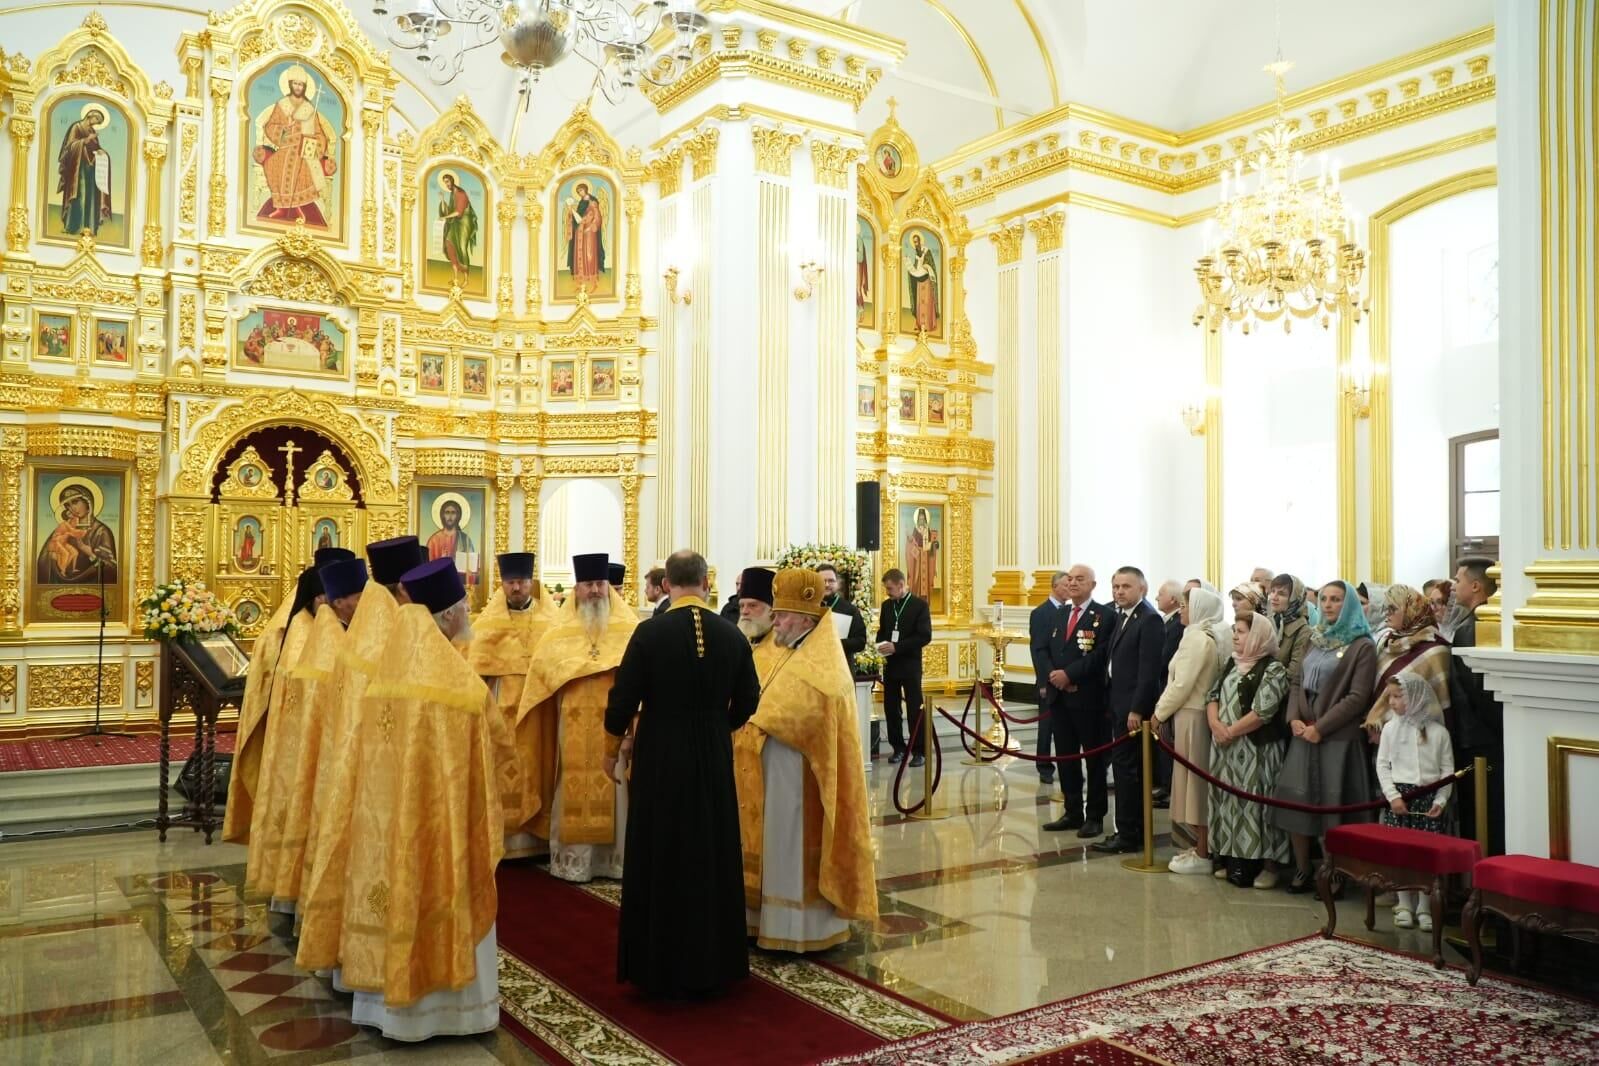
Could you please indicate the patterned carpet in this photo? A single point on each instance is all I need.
(102, 751)
(1309, 1001)
(558, 994)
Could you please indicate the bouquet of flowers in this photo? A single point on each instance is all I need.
(852, 566)
(184, 608)
(868, 662)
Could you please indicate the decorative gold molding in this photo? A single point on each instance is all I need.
(1048, 231)
(1007, 242)
(832, 163)
(100, 442)
(13, 452)
(71, 686)
(1562, 614)
(1560, 752)
(701, 149)
(974, 453)
(774, 150)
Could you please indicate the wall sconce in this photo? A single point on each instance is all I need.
(1357, 387)
(1194, 419)
(674, 294)
(810, 272)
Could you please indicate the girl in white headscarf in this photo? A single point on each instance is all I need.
(1414, 750)
(1204, 648)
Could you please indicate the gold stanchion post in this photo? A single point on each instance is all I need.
(1145, 863)
(1479, 795)
(999, 740)
(928, 813)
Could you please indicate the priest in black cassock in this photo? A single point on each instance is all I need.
(688, 681)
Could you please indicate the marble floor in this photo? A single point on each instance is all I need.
(116, 948)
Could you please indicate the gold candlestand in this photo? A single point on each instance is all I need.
(998, 639)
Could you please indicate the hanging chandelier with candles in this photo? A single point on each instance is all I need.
(1283, 250)
(534, 35)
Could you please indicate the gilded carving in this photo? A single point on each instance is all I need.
(701, 149)
(292, 279)
(935, 660)
(453, 462)
(504, 479)
(1048, 231)
(532, 485)
(1008, 243)
(92, 68)
(188, 311)
(831, 163)
(144, 682)
(774, 150)
(71, 686)
(100, 442)
(8, 687)
(12, 452)
(188, 169)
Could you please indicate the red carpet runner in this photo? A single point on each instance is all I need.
(48, 754)
(559, 994)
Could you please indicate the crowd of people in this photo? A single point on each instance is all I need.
(394, 749)
(1319, 699)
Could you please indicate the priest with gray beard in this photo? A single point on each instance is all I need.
(581, 812)
(755, 618)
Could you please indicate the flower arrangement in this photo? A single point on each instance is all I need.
(868, 662)
(853, 566)
(182, 609)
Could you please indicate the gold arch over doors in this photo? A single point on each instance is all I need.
(1382, 415)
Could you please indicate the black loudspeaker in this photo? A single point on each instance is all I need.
(868, 517)
(188, 783)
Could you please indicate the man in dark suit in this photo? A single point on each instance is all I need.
(655, 591)
(837, 601)
(904, 628)
(1046, 627)
(1168, 600)
(730, 608)
(1131, 666)
(1077, 717)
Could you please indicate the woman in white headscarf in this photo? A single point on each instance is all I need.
(1204, 647)
(1414, 750)
(1245, 714)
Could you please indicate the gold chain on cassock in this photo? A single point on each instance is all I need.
(699, 634)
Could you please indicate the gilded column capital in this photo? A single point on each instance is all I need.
(1048, 231)
(774, 150)
(702, 151)
(1007, 243)
(832, 164)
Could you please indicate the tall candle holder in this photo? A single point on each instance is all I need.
(999, 739)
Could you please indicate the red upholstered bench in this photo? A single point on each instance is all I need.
(1388, 859)
(1543, 895)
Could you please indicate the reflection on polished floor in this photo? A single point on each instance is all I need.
(115, 948)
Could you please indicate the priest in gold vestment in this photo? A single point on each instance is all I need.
(251, 735)
(280, 753)
(808, 867)
(315, 682)
(503, 638)
(755, 616)
(416, 942)
(581, 811)
(321, 905)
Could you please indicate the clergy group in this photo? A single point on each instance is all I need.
(394, 748)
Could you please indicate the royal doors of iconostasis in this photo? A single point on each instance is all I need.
(279, 494)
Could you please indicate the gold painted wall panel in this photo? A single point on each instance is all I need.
(71, 686)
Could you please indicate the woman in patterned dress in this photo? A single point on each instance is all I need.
(1245, 714)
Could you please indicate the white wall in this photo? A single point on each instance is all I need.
(1279, 454)
(1445, 364)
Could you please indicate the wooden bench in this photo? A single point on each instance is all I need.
(1388, 859)
(1541, 895)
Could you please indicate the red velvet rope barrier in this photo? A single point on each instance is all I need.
(1306, 808)
(912, 749)
(1073, 757)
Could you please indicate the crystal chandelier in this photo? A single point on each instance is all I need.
(1282, 250)
(535, 35)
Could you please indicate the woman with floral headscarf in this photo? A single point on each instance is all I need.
(1287, 602)
(1200, 654)
(1326, 763)
(1414, 750)
(1248, 598)
(1244, 712)
(1411, 644)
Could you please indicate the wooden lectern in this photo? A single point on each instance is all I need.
(201, 674)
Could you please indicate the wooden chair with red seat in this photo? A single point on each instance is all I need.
(1386, 858)
(1541, 895)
